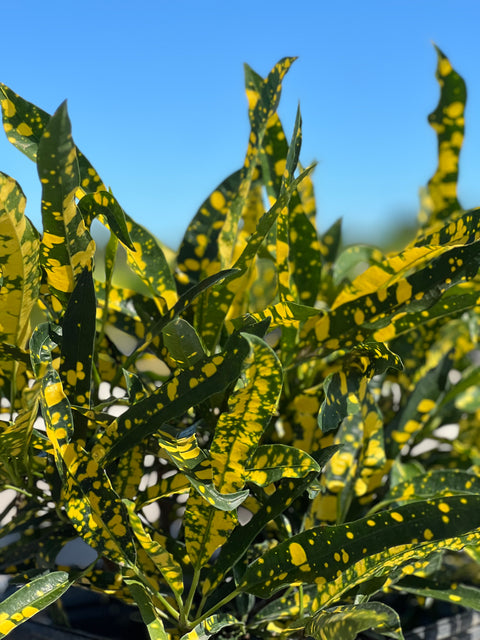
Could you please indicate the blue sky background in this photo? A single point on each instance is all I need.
(156, 97)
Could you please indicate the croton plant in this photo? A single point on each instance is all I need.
(252, 435)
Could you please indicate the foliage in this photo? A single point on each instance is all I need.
(238, 435)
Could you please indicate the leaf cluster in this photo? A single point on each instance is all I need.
(253, 434)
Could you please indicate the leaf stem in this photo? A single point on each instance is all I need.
(208, 613)
(173, 612)
(191, 593)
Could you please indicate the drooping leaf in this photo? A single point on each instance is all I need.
(32, 598)
(151, 619)
(148, 261)
(221, 501)
(103, 203)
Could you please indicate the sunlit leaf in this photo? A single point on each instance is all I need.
(345, 622)
(32, 598)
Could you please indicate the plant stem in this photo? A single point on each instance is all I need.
(18, 490)
(191, 593)
(230, 596)
(173, 612)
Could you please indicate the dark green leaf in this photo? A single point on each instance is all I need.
(308, 558)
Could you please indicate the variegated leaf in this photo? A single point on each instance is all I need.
(206, 529)
(32, 598)
(448, 122)
(148, 611)
(163, 560)
(307, 557)
(185, 389)
(251, 406)
(211, 626)
(78, 340)
(347, 621)
(67, 247)
(272, 462)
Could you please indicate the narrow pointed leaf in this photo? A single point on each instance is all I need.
(456, 593)
(25, 124)
(198, 252)
(103, 203)
(148, 261)
(32, 598)
(67, 247)
(78, 339)
(448, 122)
(187, 388)
(163, 560)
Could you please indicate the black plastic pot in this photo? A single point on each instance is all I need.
(39, 631)
(463, 626)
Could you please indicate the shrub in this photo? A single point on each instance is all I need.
(266, 388)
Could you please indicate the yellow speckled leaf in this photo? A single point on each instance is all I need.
(164, 561)
(25, 124)
(67, 247)
(251, 406)
(409, 532)
(32, 598)
(449, 123)
(148, 261)
(347, 621)
(211, 626)
(271, 462)
(20, 265)
(206, 529)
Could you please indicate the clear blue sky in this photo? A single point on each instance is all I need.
(156, 98)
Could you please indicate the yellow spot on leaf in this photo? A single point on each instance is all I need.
(24, 130)
(9, 109)
(404, 291)
(297, 554)
(426, 405)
